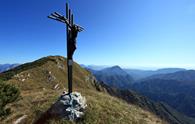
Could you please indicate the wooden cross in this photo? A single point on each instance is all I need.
(71, 31)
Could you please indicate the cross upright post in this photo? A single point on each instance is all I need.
(69, 58)
(71, 33)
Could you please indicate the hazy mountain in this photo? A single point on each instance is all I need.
(187, 76)
(114, 76)
(116, 70)
(94, 67)
(169, 70)
(140, 74)
(176, 89)
(6, 67)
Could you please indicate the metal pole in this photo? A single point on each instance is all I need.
(70, 62)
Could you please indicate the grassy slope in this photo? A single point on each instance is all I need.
(37, 81)
(162, 110)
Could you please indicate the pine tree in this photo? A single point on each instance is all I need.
(8, 94)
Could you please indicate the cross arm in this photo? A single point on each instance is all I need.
(58, 17)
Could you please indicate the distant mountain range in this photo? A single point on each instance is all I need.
(187, 76)
(94, 67)
(114, 76)
(140, 74)
(176, 89)
(174, 86)
(136, 74)
(161, 109)
(6, 67)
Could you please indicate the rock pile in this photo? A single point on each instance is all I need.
(69, 106)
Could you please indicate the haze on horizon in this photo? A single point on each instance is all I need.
(136, 33)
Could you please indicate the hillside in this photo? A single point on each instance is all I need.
(161, 109)
(42, 81)
(176, 89)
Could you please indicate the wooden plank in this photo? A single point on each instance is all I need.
(58, 14)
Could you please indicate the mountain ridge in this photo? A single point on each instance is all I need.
(114, 76)
(188, 75)
(6, 67)
(176, 89)
(42, 81)
(141, 74)
(160, 109)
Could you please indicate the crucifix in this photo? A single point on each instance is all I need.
(71, 32)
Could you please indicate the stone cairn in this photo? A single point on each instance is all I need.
(69, 106)
(75, 105)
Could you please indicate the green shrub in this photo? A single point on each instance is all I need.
(8, 94)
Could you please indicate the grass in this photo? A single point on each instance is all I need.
(104, 109)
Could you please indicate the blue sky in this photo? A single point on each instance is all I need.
(133, 33)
